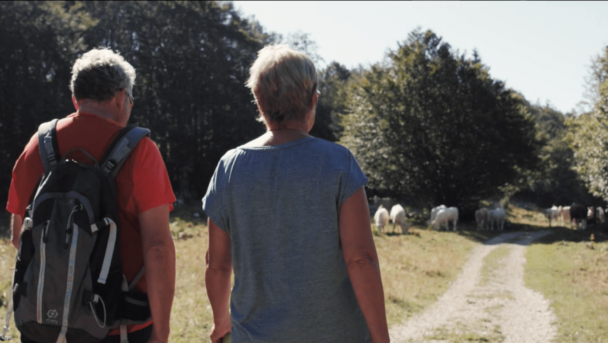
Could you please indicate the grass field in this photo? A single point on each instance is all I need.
(416, 270)
(572, 272)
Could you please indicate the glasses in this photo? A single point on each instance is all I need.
(131, 100)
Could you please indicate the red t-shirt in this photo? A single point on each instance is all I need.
(142, 183)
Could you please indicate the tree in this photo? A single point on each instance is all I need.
(432, 124)
(555, 182)
(36, 42)
(332, 102)
(589, 137)
(192, 60)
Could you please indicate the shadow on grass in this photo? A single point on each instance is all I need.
(5, 224)
(557, 233)
(563, 234)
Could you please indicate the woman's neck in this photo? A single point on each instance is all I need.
(277, 137)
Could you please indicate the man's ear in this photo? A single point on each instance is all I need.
(119, 98)
(75, 102)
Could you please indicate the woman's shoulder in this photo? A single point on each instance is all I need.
(332, 148)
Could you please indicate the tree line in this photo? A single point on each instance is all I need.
(427, 123)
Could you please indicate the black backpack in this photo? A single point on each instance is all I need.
(68, 283)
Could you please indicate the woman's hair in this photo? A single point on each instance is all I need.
(99, 74)
(282, 81)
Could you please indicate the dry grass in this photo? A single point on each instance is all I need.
(417, 269)
(572, 272)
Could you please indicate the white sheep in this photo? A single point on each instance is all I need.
(398, 218)
(444, 216)
(434, 213)
(497, 216)
(381, 218)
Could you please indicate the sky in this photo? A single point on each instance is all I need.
(540, 49)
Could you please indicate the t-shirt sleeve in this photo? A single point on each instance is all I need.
(26, 173)
(213, 201)
(353, 179)
(151, 184)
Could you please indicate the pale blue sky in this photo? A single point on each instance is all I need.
(541, 49)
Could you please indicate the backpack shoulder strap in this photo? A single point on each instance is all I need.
(121, 148)
(47, 144)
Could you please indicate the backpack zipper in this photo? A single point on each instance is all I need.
(69, 230)
(43, 241)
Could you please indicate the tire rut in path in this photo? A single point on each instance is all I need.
(501, 310)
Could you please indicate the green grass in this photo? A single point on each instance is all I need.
(467, 332)
(416, 270)
(573, 274)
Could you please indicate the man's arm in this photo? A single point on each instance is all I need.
(16, 223)
(217, 279)
(362, 264)
(159, 259)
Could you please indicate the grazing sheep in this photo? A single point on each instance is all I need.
(481, 217)
(381, 218)
(497, 216)
(552, 214)
(434, 213)
(444, 216)
(398, 218)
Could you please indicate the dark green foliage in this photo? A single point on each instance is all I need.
(34, 75)
(433, 125)
(332, 102)
(555, 182)
(192, 60)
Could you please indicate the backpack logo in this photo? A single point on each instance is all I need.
(52, 314)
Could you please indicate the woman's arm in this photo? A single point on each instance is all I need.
(217, 279)
(362, 264)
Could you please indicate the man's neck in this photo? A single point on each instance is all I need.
(99, 110)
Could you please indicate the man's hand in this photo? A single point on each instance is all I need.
(159, 258)
(16, 223)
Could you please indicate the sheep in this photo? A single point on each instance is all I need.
(496, 216)
(552, 214)
(381, 218)
(434, 212)
(398, 218)
(481, 217)
(444, 216)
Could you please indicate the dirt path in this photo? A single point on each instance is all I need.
(502, 310)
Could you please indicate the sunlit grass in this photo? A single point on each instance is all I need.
(574, 278)
(416, 270)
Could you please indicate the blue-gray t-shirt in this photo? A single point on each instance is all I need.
(280, 206)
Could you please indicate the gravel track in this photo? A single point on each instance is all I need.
(501, 310)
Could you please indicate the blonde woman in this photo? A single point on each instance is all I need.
(288, 213)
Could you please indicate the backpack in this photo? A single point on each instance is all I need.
(68, 282)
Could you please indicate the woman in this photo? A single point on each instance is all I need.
(289, 213)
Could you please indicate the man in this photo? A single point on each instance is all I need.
(102, 84)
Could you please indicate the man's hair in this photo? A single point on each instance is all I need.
(99, 74)
(282, 81)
